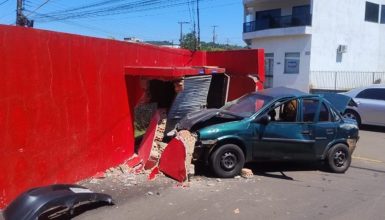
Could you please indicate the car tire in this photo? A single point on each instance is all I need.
(339, 158)
(227, 161)
(351, 114)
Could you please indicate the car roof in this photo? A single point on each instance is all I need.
(355, 91)
(281, 92)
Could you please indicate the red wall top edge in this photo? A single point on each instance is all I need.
(239, 62)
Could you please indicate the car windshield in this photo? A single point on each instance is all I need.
(247, 105)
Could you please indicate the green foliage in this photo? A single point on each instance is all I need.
(165, 42)
(189, 42)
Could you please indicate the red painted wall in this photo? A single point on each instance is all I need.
(64, 107)
(239, 64)
(65, 104)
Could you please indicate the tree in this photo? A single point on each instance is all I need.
(189, 41)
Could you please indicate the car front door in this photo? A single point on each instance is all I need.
(285, 137)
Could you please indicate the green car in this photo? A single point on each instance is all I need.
(278, 124)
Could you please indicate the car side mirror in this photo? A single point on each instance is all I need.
(264, 119)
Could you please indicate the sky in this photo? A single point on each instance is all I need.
(149, 25)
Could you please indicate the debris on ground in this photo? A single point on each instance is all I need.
(247, 173)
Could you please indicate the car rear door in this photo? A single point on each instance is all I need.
(325, 128)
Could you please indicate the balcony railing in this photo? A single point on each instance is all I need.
(277, 22)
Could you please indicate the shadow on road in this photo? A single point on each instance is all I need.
(368, 169)
(372, 128)
(269, 169)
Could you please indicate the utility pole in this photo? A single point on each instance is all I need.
(214, 34)
(181, 23)
(199, 27)
(21, 19)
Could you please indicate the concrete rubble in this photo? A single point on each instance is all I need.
(247, 173)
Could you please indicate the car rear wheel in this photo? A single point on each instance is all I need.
(227, 161)
(339, 158)
(351, 114)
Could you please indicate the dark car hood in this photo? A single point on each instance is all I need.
(201, 116)
(339, 101)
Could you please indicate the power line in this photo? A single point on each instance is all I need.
(4, 2)
(44, 3)
(136, 6)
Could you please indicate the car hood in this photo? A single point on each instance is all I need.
(339, 101)
(202, 116)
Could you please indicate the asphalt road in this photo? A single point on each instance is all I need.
(277, 191)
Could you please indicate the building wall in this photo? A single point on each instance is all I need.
(281, 45)
(65, 104)
(343, 22)
(334, 23)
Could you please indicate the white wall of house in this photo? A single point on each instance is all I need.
(281, 45)
(343, 22)
(334, 23)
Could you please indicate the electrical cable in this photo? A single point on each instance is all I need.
(136, 6)
(44, 3)
(1, 3)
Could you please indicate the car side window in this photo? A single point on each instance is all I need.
(374, 93)
(309, 109)
(285, 112)
(324, 113)
(334, 115)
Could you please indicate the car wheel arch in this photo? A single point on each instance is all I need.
(330, 145)
(230, 140)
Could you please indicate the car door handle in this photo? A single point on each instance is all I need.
(329, 131)
(305, 132)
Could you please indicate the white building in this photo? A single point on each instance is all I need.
(318, 44)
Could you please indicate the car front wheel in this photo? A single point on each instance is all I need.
(339, 158)
(227, 161)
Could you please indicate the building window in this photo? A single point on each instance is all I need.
(301, 16)
(269, 67)
(267, 19)
(382, 14)
(292, 63)
(372, 12)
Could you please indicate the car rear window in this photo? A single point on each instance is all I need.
(374, 93)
